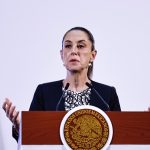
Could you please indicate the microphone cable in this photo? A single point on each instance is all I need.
(66, 87)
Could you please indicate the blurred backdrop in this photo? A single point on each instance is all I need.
(30, 40)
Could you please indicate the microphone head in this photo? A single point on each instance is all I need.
(88, 84)
(67, 86)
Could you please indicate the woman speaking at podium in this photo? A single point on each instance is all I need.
(77, 88)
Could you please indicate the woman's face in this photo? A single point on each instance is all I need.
(76, 52)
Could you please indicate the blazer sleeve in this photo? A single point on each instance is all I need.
(15, 134)
(37, 103)
(114, 101)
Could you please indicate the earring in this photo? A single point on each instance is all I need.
(90, 64)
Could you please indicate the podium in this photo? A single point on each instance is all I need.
(41, 129)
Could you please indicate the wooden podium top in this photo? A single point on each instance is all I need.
(43, 127)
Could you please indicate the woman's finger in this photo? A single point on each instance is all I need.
(11, 112)
(6, 102)
(8, 106)
(4, 106)
(16, 120)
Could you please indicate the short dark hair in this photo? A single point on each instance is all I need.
(91, 38)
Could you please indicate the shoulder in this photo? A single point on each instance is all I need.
(101, 85)
(49, 88)
(52, 84)
(103, 88)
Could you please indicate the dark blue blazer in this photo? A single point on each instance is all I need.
(48, 95)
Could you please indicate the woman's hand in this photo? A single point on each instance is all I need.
(11, 113)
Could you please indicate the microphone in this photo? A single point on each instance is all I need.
(101, 98)
(66, 87)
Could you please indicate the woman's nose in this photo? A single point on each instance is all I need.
(74, 50)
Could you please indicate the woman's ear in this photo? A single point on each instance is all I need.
(61, 54)
(93, 55)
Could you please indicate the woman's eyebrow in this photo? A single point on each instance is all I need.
(80, 41)
(68, 41)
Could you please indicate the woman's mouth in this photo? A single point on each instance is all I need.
(73, 60)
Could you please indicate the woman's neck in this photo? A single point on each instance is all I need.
(77, 81)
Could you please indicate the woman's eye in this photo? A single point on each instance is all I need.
(68, 46)
(80, 46)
